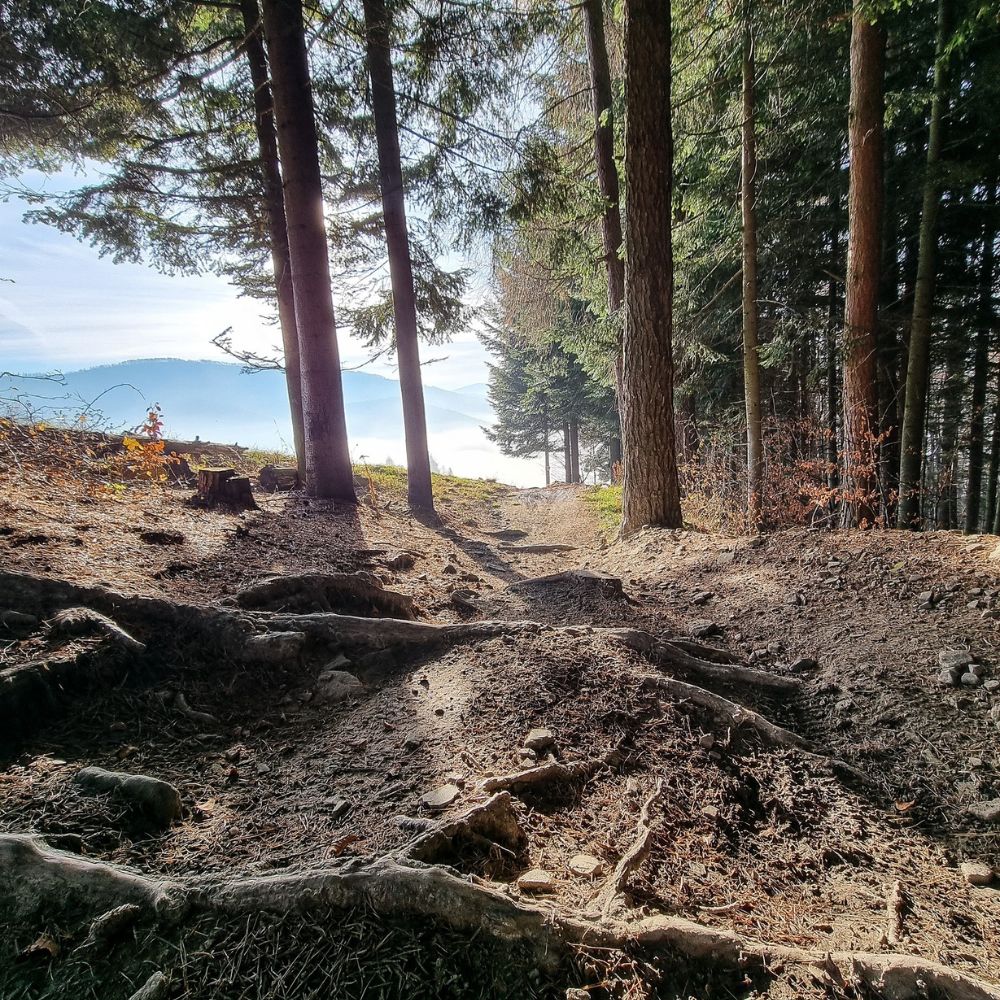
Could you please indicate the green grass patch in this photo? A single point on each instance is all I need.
(606, 502)
(392, 479)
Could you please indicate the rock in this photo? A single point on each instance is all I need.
(274, 647)
(705, 629)
(333, 686)
(401, 561)
(703, 597)
(954, 659)
(802, 663)
(263, 768)
(539, 740)
(441, 797)
(707, 741)
(155, 988)
(536, 880)
(574, 993)
(450, 569)
(970, 680)
(988, 810)
(586, 865)
(978, 669)
(976, 873)
(991, 686)
(527, 757)
(948, 678)
(926, 597)
(158, 801)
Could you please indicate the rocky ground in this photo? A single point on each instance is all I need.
(879, 836)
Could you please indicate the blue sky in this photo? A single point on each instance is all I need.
(62, 306)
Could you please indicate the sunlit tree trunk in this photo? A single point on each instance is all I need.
(328, 460)
(274, 207)
(418, 467)
(651, 492)
(865, 137)
(751, 360)
(915, 410)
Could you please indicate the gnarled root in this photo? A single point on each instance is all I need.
(354, 593)
(35, 877)
(490, 824)
(635, 855)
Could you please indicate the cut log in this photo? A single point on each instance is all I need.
(279, 477)
(223, 486)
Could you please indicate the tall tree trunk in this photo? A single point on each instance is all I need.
(277, 228)
(984, 327)
(991, 489)
(328, 460)
(952, 393)
(914, 414)
(567, 454)
(545, 448)
(574, 450)
(651, 492)
(751, 318)
(404, 306)
(832, 382)
(865, 196)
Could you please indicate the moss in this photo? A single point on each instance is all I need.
(606, 502)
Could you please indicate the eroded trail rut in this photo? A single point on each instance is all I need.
(514, 737)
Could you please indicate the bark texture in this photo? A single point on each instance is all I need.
(751, 359)
(404, 305)
(328, 461)
(915, 409)
(277, 227)
(865, 200)
(651, 491)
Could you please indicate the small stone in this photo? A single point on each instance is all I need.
(536, 880)
(978, 669)
(401, 561)
(707, 741)
(155, 988)
(527, 757)
(586, 865)
(976, 873)
(333, 686)
(710, 811)
(575, 993)
(450, 568)
(802, 663)
(540, 740)
(988, 810)
(926, 596)
(970, 680)
(951, 659)
(263, 768)
(705, 629)
(703, 597)
(441, 797)
(991, 686)
(947, 678)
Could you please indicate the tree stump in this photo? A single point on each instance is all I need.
(224, 486)
(279, 477)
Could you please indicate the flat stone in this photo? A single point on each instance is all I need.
(707, 741)
(802, 663)
(991, 685)
(926, 597)
(536, 880)
(988, 810)
(970, 680)
(540, 740)
(586, 865)
(976, 873)
(950, 659)
(947, 678)
(705, 629)
(703, 597)
(441, 797)
(333, 686)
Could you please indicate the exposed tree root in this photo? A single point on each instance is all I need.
(736, 714)
(634, 856)
(354, 593)
(551, 771)
(85, 621)
(539, 549)
(490, 824)
(34, 878)
(603, 584)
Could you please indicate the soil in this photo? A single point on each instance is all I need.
(770, 843)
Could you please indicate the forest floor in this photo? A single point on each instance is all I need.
(281, 771)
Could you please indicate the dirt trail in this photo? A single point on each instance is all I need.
(744, 838)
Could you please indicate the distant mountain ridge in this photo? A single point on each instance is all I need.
(217, 401)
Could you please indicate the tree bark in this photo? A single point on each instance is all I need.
(977, 421)
(915, 412)
(277, 228)
(574, 450)
(651, 492)
(567, 454)
(328, 460)
(832, 381)
(404, 306)
(865, 198)
(751, 317)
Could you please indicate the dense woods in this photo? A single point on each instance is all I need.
(774, 286)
